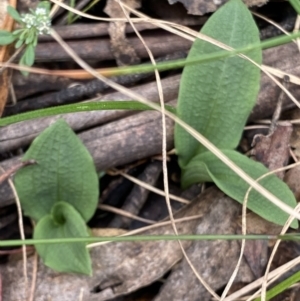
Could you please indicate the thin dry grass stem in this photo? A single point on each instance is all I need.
(164, 154)
(281, 74)
(21, 229)
(206, 143)
(292, 154)
(148, 228)
(80, 297)
(255, 127)
(125, 213)
(12, 94)
(55, 8)
(153, 189)
(34, 276)
(296, 28)
(268, 121)
(271, 22)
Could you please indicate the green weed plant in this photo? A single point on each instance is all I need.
(31, 25)
(60, 192)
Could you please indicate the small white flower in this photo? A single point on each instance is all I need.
(40, 11)
(39, 19)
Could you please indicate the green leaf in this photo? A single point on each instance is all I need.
(216, 97)
(206, 167)
(17, 32)
(29, 55)
(19, 43)
(14, 14)
(6, 37)
(64, 222)
(22, 62)
(64, 172)
(30, 37)
(45, 4)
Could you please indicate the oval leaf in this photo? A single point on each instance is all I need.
(14, 14)
(64, 172)
(6, 37)
(29, 55)
(216, 97)
(206, 167)
(65, 222)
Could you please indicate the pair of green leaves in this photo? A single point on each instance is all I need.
(31, 25)
(216, 99)
(60, 193)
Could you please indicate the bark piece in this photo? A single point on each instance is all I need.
(201, 7)
(292, 180)
(273, 150)
(123, 51)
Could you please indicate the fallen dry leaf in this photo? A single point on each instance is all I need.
(292, 180)
(201, 7)
(273, 150)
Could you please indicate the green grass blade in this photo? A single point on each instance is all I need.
(82, 107)
(281, 287)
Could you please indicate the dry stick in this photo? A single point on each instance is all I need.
(206, 143)
(125, 213)
(138, 195)
(151, 188)
(164, 160)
